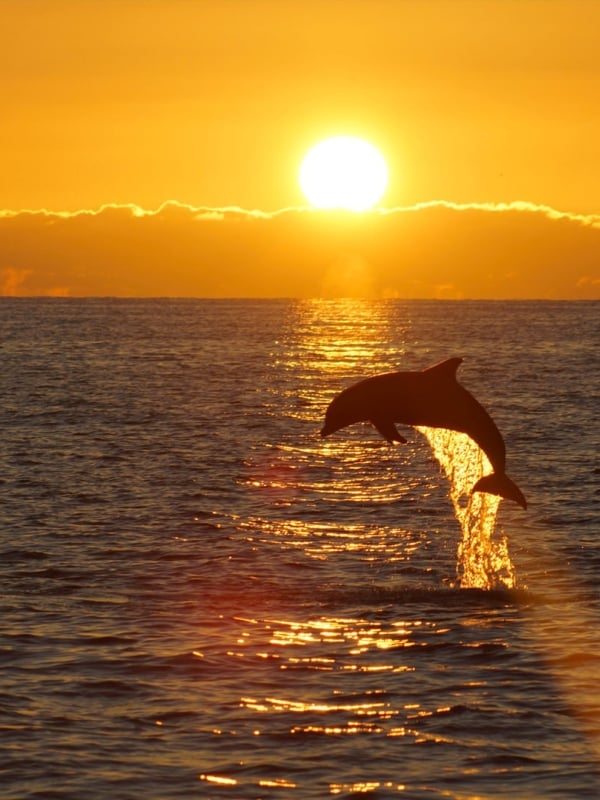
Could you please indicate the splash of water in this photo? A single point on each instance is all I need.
(483, 561)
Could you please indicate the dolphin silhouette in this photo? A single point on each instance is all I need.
(432, 398)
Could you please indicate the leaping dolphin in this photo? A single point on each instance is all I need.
(432, 398)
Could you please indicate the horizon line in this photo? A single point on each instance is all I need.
(298, 298)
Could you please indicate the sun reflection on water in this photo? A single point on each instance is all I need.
(352, 644)
(321, 680)
(363, 787)
(333, 706)
(332, 341)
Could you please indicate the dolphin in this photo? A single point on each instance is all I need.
(432, 398)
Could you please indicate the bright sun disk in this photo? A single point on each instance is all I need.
(343, 172)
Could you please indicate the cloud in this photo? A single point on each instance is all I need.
(436, 249)
(11, 280)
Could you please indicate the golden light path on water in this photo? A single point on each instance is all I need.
(341, 341)
(348, 697)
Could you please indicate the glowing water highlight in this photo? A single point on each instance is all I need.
(483, 561)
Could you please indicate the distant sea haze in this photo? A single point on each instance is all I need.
(435, 250)
(201, 597)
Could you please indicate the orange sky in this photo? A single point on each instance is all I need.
(213, 104)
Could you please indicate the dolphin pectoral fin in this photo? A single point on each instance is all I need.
(501, 485)
(388, 430)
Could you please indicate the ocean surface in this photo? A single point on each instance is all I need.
(202, 598)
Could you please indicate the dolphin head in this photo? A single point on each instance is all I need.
(332, 422)
(341, 412)
(329, 427)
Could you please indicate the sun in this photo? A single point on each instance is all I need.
(343, 172)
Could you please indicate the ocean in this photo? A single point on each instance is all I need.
(203, 598)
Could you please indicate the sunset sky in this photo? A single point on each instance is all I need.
(486, 111)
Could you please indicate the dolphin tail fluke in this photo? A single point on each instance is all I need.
(500, 484)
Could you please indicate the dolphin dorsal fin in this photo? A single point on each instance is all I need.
(445, 370)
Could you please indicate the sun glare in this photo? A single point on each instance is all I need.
(343, 172)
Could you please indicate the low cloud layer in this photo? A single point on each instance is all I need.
(433, 250)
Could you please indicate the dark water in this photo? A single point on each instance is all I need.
(202, 598)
